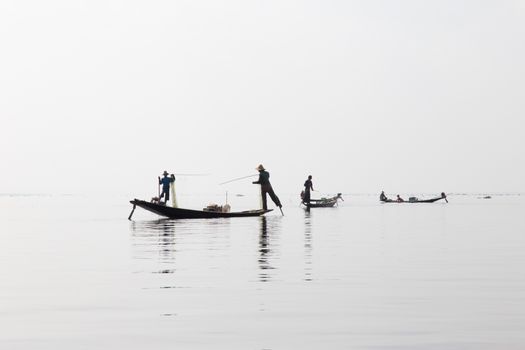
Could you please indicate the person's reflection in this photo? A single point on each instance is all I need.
(264, 251)
(308, 247)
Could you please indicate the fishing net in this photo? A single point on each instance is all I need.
(173, 195)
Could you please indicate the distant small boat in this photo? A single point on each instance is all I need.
(180, 213)
(323, 202)
(416, 200)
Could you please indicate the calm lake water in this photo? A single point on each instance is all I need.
(76, 274)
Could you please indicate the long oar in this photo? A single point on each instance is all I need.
(239, 178)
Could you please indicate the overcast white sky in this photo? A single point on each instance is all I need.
(405, 96)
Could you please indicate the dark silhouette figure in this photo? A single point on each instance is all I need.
(308, 187)
(266, 187)
(165, 182)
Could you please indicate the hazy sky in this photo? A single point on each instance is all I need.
(405, 96)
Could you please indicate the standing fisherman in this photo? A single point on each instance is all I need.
(165, 182)
(266, 187)
(308, 186)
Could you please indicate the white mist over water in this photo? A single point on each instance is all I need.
(409, 97)
(364, 95)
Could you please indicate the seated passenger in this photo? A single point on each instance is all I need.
(399, 199)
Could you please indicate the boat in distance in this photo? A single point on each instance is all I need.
(323, 202)
(180, 213)
(416, 200)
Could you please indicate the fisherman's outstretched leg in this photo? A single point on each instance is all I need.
(264, 181)
(274, 197)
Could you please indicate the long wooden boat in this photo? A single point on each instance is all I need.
(180, 213)
(323, 202)
(415, 200)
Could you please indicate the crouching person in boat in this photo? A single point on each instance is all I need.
(166, 182)
(383, 197)
(266, 187)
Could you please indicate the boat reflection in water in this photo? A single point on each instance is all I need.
(181, 246)
(154, 237)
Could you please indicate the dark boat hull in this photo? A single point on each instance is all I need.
(323, 203)
(432, 200)
(179, 213)
(326, 204)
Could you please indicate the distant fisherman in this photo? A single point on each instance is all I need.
(266, 187)
(308, 186)
(383, 197)
(165, 182)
